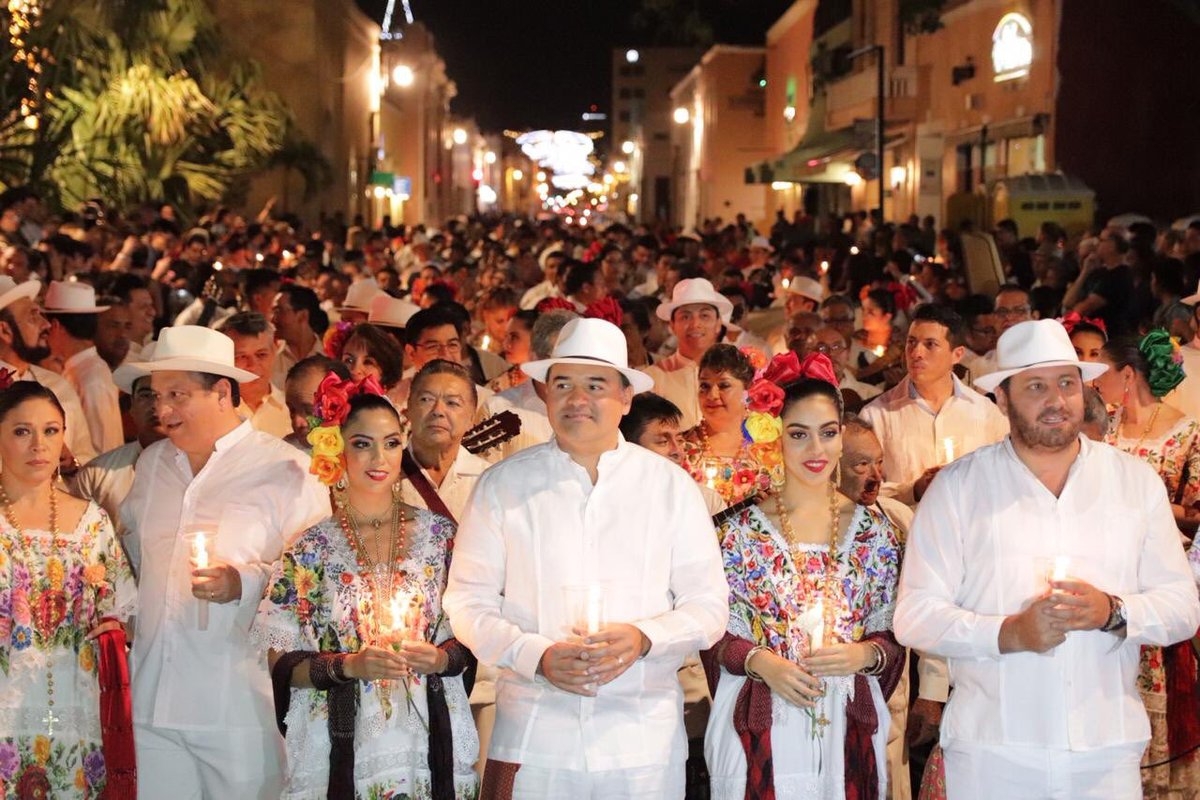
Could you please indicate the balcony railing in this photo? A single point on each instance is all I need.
(853, 97)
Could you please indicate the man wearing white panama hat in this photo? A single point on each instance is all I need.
(73, 314)
(23, 343)
(597, 712)
(695, 313)
(203, 711)
(1039, 566)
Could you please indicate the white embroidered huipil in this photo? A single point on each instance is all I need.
(255, 491)
(92, 380)
(536, 524)
(913, 437)
(983, 540)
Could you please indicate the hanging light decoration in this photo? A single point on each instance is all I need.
(24, 16)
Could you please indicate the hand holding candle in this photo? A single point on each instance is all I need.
(201, 543)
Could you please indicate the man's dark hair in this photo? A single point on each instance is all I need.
(209, 379)
(301, 298)
(647, 407)
(579, 274)
(441, 293)
(441, 366)
(77, 326)
(321, 363)
(244, 323)
(252, 281)
(432, 317)
(956, 329)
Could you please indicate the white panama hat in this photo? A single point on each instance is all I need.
(761, 243)
(11, 291)
(127, 374)
(807, 287)
(71, 297)
(194, 348)
(359, 295)
(693, 291)
(391, 312)
(594, 342)
(1033, 345)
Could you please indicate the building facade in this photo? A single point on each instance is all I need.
(642, 79)
(1002, 88)
(724, 128)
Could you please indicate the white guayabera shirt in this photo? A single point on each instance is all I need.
(982, 544)
(256, 493)
(536, 525)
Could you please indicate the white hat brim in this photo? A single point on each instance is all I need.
(126, 375)
(723, 305)
(91, 310)
(1090, 370)
(182, 364)
(27, 289)
(640, 381)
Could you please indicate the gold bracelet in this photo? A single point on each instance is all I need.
(751, 674)
(880, 661)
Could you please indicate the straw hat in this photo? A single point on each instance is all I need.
(695, 290)
(391, 312)
(1032, 345)
(71, 297)
(590, 342)
(11, 291)
(193, 348)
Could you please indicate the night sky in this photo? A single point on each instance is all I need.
(539, 63)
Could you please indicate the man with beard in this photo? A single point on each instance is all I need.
(1039, 566)
(24, 341)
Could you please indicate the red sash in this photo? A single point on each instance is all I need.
(116, 717)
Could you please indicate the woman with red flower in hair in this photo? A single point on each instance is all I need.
(801, 678)
(367, 673)
(65, 587)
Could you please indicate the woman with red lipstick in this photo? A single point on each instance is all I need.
(719, 453)
(63, 583)
(367, 673)
(801, 678)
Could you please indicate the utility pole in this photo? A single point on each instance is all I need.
(880, 104)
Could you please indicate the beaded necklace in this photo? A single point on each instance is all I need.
(379, 576)
(26, 540)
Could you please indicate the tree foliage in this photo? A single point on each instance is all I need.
(140, 102)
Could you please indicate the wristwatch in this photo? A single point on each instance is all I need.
(1116, 614)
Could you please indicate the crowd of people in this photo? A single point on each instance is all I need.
(516, 508)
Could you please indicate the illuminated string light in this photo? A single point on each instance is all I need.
(24, 17)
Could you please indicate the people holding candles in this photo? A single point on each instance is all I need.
(584, 715)
(63, 584)
(801, 678)
(367, 672)
(201, 694)
(1045, 700)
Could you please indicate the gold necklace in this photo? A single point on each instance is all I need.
(370, 568)
(26, 540)
(708, 453)
(1149, 427)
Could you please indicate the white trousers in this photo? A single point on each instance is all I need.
(653, 783)
(201, 765)
(979, 772)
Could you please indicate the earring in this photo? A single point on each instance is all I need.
(342, 484)
(396, 489)
(837, 474)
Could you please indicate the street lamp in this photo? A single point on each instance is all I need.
(403, 76)
(879, 111)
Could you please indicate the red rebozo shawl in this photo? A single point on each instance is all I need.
(116, 717)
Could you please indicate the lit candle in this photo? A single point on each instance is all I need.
(786, 282)
(201, 554)
(710, 474)
(854, 250)
(595, 610)
(485, 343)
(879, 350)
(824, 267)
(816, 631)
(948, 448)
(404, 616)
(200, 557)
(1061, 565)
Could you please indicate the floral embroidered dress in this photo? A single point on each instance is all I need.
(318, 600)
(1175, 456)
(53, 590)
(733, 477)
(772, 598)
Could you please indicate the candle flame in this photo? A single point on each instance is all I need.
(201, 552)
(1061, 565)
(948, 447)
(879, 350)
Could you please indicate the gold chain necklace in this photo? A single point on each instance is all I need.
(371, 568)
(26, 540)
(708, 453)
(1149, 427)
